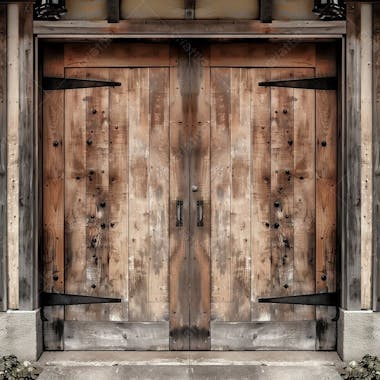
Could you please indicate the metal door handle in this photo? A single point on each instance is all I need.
(179, 222)
(200, 213)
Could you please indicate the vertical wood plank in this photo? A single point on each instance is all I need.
(75, 194)
(351, 268)
(282, 192)
(326, 182)
(13, 108)
(220, 193)
(304, 194)
(139, 308)
(28, 282)
(53, 200)
(97, 187)
(240, 306)
(200, 275)
(179, 190)
(266, 10)
(118, 194)
(376, 158)
(366, 118)
(261, 195)
(159, 194)
(3, 158)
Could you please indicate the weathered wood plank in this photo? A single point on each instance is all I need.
(28, 281)
(115, 54)
(97, 201)
(261, 198)
(366, 119)
(263, 55)
(179, 190)
(118, 194)
(220, 193)
(240, 336)
(326, 187)
(240, 302)
(13, 121)
(139, 135)
(53, 198)
(282, 192)
(75, 194)
(351, 265)
(159, 177)
(376, 159)
(3, 158)
(198, 123)
(304, 194)
(186, 28)
(116, 336)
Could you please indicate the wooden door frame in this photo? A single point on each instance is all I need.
(340, 39)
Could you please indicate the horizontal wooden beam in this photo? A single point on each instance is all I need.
(188, 28)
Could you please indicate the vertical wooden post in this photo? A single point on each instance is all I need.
(376, 157)
(190, 9)
(113, 8)
(13, 154)
(26, 204)
(351, 204)
(3, 158)
(366, 155)
(266, 10)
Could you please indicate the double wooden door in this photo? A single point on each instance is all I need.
(188, 192)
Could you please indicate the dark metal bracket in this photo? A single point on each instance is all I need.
(52, 83)
(320, 299)
(326, 83)
(59, 299)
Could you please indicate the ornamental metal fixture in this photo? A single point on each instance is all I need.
(50, 9)
(329, 10)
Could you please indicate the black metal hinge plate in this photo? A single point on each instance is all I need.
(319, 299)
(52, 83)
(55, 299)
(326, 83)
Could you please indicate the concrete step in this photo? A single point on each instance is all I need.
(190, 365)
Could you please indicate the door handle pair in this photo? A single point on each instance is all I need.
(179, 213)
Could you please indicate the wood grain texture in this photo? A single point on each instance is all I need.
(241, 336)
(28, 276)
(376, 159)
(75, 195)
(179, 190)
(159, 181)
(116, 336)
(13, 120)
(351, 263)
(261, 195)
(53, 199)
(118, 194)
(304, 194)
(3, 158)
(115, 54)
(326, 184)
(263, 55)
(282, 192)
(198, 123)
(366, 119)
(221, 293)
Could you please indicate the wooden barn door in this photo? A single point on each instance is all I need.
(182, 188)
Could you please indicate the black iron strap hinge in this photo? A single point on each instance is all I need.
(59, 299)
(325, 83)
(319, 299)
(52, 83)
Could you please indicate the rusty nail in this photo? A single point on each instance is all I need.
(324, 143)
(56, 143)
(55, 277)
(277, 204)
(323, 277)
(285, 112)
(103, 225)
(276, 225)
(290, 142)
(89, 142)
(93, 286)
(286, 286)
(103, 204)
(94, 111)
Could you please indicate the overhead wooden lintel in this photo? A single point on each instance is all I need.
(189, 9)
(113, 10)
(266, 10)
(198, 28)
